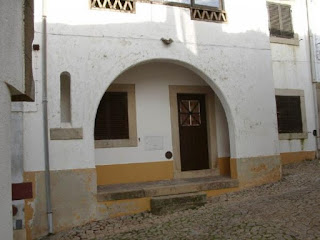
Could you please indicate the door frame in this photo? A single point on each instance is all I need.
(213, 170)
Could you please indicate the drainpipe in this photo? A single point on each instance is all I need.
(45, 116)
(314, 73)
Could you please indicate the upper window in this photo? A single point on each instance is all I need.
(280, 21)
(291, 114)
(115, 123)
(208, 3)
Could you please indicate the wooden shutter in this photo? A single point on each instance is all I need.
(289, 114)
(274, 19)
(287, 30)
(112, 117)
(280, 20)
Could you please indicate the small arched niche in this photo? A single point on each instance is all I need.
(65, 97)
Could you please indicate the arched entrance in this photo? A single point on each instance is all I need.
(160, 121)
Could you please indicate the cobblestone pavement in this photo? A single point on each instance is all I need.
(288, 209)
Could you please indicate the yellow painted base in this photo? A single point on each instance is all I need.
(224, 166)
(294, 157)
(134, 172)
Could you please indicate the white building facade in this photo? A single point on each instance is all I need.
(143, 91)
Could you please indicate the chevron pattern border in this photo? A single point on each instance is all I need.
(119, 5)
(208, 15)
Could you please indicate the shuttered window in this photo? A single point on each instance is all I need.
(289, 114)
(280, 21)
(112, 117)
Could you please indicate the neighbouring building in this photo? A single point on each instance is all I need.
(16, 84)
(142, 91)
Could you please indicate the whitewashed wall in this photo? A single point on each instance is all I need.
(291, 70)
(95, 47)
(314, 17)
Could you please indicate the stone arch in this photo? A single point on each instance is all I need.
(201, 73)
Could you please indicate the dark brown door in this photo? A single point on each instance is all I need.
(193, 132)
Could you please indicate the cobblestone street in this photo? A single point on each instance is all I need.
(289, 209)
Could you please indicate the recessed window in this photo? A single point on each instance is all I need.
(280, 20)
(112, 117)
(115, 123)
(291, 114)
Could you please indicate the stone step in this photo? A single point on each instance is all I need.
(163, 188)
(168, 204)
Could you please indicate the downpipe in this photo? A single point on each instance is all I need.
(314, 74)
(45, 117)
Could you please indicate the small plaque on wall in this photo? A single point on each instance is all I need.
(152, 143)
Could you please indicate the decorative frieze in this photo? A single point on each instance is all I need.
(119, 5)
(212, 15)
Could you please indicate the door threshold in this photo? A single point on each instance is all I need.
(197, 173)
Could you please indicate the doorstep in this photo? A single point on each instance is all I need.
(163, 188)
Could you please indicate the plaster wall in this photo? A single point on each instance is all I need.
(291, 70)
(11, 73)
(96, 46)
(11, 57)
(16, 143)
(314, 23)
(17, 159)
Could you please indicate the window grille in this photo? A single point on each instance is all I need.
(289, 114)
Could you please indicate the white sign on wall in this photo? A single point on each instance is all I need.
(152, 143)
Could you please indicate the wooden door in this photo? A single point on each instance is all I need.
(193, 132)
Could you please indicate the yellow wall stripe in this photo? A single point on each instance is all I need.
(134, 172)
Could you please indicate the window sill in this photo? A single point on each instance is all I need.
(292, 136)
(115, 143)
(289, 41)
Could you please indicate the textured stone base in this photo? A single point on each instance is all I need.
(73, 200)
(255, 171)
(295, 157)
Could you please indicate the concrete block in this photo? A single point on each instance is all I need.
(131, 194)
(66, 133)
(167, 204)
